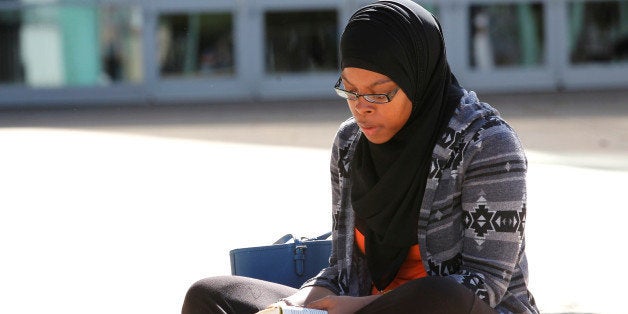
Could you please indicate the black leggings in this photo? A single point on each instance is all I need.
(241, 295)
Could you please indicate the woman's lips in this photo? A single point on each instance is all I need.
(367, 129)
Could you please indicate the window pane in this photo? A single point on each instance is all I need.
(301, 41)
(196, 45)
(83, 45)
(121, 43)
(11, 67)
(506, 35)
(598, 31)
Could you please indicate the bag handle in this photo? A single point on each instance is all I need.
(299, 249)
(286, 238)
(323, 236)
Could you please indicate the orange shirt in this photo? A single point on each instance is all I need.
(412, 267)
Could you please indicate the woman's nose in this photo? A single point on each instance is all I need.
(362, 106)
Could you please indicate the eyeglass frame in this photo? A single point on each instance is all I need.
(345, 94)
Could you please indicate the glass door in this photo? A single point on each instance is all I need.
(60, 52)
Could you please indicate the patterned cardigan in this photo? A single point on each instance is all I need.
(472, 218)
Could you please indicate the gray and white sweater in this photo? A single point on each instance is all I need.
(472, 218)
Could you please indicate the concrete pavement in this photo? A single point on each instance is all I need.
(124, 207)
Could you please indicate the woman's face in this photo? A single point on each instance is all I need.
(378, 122)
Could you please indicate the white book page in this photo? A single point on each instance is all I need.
(300, 310)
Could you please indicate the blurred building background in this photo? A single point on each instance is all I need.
(78, 52)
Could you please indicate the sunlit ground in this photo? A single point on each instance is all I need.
(94, 222)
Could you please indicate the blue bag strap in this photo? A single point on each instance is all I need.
(299, 258)
(299, 249)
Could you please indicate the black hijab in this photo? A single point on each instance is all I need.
(403, 41)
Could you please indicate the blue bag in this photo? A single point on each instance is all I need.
(289, 261)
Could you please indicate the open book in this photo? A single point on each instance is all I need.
(290, 310)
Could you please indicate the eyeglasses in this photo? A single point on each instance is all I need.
(372, 98)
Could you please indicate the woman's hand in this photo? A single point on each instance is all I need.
(341, 304)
